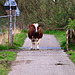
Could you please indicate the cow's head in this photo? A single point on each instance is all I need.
(36, 26)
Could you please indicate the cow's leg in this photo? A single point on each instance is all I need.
(32, 44)
(38, 40)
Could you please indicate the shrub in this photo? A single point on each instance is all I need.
(71, 24)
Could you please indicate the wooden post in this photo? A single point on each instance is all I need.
(8, 38)
(67, 38)
(8, 31)
(70, 35)
(12, 40)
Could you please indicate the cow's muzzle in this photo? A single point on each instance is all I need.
(36, 33)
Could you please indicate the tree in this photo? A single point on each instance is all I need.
(50, 13)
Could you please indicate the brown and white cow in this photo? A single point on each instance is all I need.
(35, 34)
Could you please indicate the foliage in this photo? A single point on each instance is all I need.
(46, 12)
(72, 47)
(6, 59)
(3, 47)
(71, 24)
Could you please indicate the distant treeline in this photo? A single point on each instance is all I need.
(46, 12)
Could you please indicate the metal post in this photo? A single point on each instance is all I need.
(10, 24)
(15, 23)
(4, 16)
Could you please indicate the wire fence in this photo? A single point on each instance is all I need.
(4, 27)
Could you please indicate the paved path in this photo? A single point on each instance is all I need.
(43, 62)
(46, 41)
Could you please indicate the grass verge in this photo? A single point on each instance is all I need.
(71, 55)
(18, 41)
(6, 59)
(72, 47)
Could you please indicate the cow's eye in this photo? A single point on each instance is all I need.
(34, 27)
(37, 27)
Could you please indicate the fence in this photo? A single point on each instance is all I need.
(4, 27)
(5, 30)
(70, 37)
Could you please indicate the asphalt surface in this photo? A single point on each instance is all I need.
(46, 41)
(43, 61)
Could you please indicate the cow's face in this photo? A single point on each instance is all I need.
(36, 26)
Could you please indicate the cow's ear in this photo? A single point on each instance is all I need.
(30, 26)
(40, 25)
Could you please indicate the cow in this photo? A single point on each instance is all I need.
(35, 34)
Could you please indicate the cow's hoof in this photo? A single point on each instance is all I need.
(37, 49)
(31, 49)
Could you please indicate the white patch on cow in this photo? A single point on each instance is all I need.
(38, 43)
(36, 25)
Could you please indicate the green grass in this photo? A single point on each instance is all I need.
(72, 47)
(24, 31)
(18, 41)
(6, 59)
(3, 47)
(71, 55)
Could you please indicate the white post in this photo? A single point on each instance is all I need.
(10, 24)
